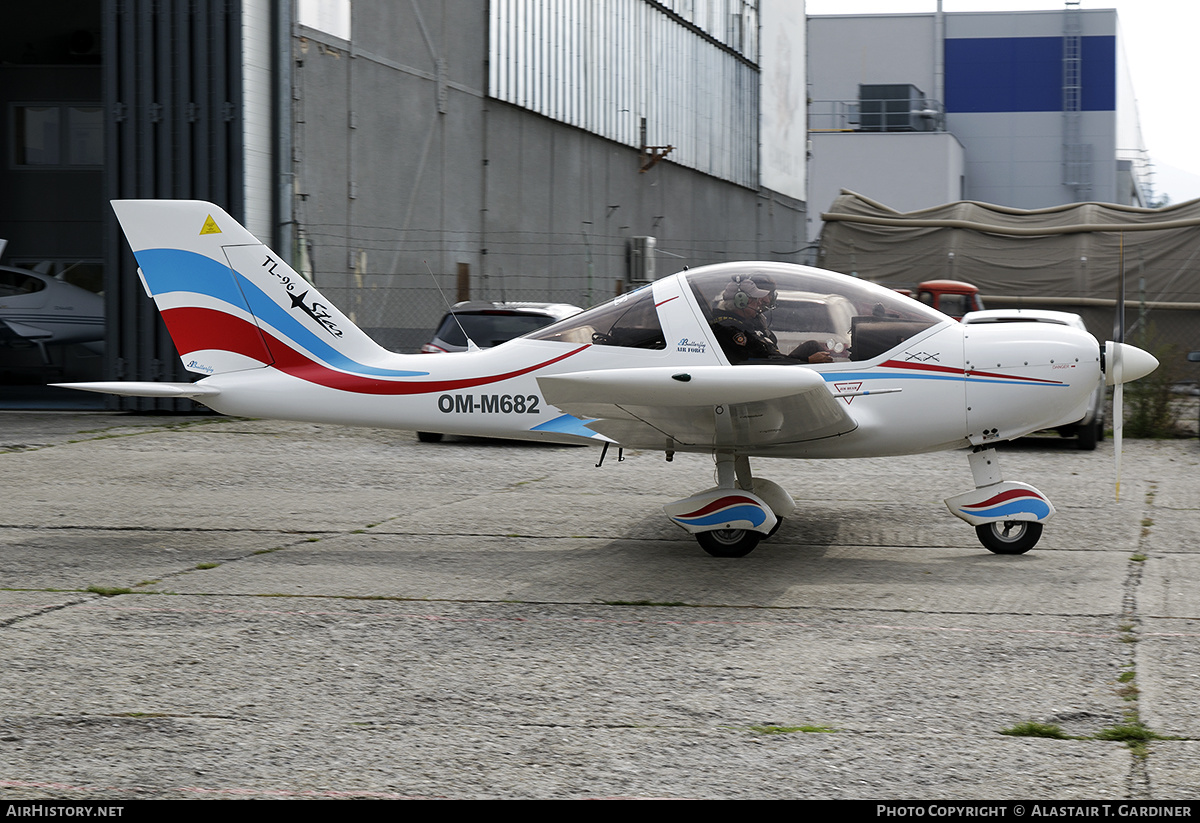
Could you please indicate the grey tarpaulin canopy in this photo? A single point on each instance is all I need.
(1069, 251)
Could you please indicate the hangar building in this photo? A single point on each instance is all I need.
(514, 149)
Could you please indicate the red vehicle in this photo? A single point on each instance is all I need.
(952, 297)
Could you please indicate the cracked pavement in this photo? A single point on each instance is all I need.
(215, 607)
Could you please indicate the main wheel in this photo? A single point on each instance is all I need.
(429, 437)
(728, 542)
(1009, 536)
(1087, 436)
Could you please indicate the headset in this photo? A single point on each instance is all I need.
(741, 298)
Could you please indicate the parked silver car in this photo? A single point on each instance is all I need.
(1089, 429)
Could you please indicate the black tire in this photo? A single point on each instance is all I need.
(430, 437)
(728, 542)
(1086, 437)
(1009, 536)
(775, 528)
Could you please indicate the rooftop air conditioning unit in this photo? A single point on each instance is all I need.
(641, 260)
(893, 107)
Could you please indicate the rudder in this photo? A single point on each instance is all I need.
(229, 302)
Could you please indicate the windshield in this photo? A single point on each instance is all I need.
(630, 320)
(14, 282)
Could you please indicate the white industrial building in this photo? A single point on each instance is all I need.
(1020, 109)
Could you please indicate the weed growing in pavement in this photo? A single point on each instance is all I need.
(1033, 729)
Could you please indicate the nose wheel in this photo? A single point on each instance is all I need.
(728, 542)
(995, 500)
(1009, 536)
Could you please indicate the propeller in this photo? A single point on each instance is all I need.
(1118, 383)
(1122, 364)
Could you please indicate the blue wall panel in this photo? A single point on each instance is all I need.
(997, 74)
(1099, 74)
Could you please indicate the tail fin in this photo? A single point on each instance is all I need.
(229, 302)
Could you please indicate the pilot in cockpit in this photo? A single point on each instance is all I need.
(741, 325)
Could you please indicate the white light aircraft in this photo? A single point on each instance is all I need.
(40, 310)
(736, 360)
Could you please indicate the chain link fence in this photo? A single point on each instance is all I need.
(398, 289)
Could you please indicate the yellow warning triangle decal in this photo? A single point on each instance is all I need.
(210, 226)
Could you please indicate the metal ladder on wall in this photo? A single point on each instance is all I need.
(1077, 155)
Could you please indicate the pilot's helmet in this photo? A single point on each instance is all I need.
(743, 288)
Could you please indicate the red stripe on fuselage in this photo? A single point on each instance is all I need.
(203, 328)
(896, 364)
(298, 365)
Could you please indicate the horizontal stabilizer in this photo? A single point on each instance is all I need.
(132, 388)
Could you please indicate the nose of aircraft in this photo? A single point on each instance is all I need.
(1124, 363)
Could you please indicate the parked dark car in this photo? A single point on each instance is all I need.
(489, 324)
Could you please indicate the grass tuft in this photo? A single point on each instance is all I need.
(108, 591)
(1033, 729)
(771, 729)
(1128, 733)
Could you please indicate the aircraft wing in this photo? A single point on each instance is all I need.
(706, 406)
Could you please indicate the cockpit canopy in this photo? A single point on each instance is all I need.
(805, 312)
(793, 308)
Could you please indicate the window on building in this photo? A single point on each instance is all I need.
(58, 136)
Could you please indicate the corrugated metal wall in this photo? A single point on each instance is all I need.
(173, 96)
(608, 66)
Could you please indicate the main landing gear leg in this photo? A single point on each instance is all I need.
(1007, 515)
(730, 519)
(733, 473)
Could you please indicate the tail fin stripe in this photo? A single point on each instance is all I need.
(293, 331)
(195, 329)
(176, 270)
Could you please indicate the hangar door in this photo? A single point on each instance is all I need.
(172, 87)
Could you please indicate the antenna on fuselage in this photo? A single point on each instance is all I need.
(450, 309)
